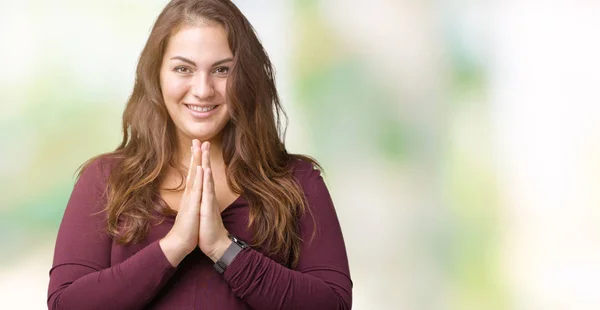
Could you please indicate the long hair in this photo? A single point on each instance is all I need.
(258, 165)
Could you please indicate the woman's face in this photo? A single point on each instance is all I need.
(193, 79)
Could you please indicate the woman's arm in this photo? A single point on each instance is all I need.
(322, 277)
(81, 276)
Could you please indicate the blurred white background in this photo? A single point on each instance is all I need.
(460, 139)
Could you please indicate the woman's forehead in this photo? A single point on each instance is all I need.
(200, 43)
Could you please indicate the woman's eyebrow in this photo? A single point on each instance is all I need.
(222, 61)
(184, 60)
(194, 64)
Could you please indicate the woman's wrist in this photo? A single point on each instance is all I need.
(173, 250)
(220, 248)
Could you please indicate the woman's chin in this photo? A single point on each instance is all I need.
(201, 132)
(202, 135)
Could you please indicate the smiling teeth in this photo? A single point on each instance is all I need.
(201, 109)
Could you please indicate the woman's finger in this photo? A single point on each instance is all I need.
(208, 192)
(205, 155)
(196, 189)
(194, 161)
(190, 175)
(208, 188)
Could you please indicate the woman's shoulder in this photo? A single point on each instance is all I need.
(305, 169)
(98, 167)
(300, 164)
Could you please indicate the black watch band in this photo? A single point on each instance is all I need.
(232, 251)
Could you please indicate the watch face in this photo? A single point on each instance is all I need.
(241, 243)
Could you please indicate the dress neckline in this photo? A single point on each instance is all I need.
(232, 204)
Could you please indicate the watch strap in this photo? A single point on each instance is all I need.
(232, 251)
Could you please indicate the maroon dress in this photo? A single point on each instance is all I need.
(91, 271)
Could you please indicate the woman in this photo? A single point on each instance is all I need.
(234, 222)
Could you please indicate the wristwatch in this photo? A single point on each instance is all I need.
(232, 251)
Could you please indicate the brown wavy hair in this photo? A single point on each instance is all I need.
(258, 165)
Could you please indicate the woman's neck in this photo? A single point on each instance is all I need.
(216, 150)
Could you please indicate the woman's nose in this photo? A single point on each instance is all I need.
(202, 86)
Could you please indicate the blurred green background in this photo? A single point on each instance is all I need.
(460, 140)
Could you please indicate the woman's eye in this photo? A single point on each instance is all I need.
(182, 70)
(222, 70)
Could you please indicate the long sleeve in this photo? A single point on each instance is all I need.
(322, 278)
(82, 276)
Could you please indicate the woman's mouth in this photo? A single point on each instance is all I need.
(199, 108)
(201, 111)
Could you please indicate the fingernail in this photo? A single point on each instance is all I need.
(195, 142)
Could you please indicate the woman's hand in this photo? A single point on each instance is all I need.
(213, 239)
(183, 236)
